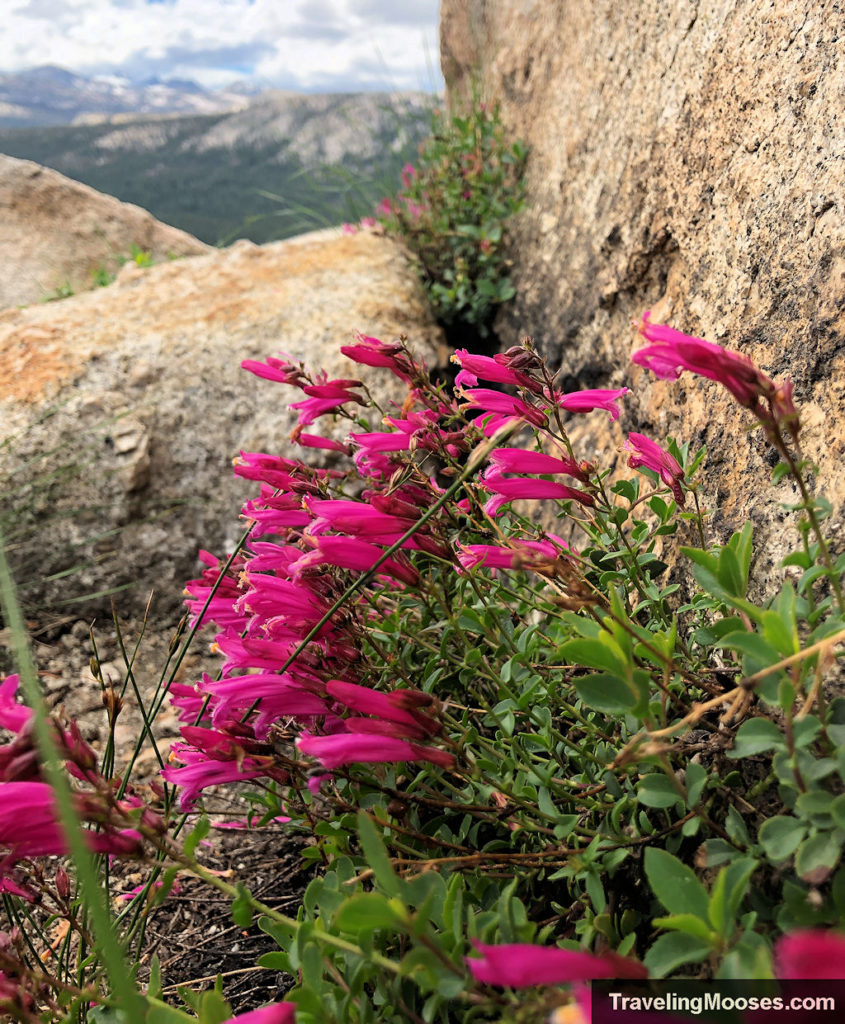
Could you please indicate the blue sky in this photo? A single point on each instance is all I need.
(301, 45)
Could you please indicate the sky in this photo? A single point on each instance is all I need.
(301, 45)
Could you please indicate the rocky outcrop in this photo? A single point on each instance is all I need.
(686, 157)
(122, 408)
(56, 233)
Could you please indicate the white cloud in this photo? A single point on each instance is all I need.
(363, 44)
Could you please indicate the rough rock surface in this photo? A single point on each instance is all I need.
(122, 408)
(687, 157)
(55, 232)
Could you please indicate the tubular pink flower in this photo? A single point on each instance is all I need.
(279, 696)
(276, 369)
(383, 441)
(29, 824)
(518, 460)
(487, 368)
(496, 402)
(356, 555)
(372, 352)
(597, 398)
(401, 707)
(198, 772)
(360, 748)
(317, 441)
(355, 517)
(810, 953)
(671, 352)
(645, 452)
(507, 489)
(13, 716)
(277, 1013)
(521, 965)
(524, 554)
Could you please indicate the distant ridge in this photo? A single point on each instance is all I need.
(282, 164)
(51, 95)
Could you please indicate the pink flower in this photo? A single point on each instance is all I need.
(316, 441)
(809, 953)
(487, 368)
(372, 352)
(507, 489)
(519, 965)
(598, 398)
(359, 748)
(671, 352)
(517, 460)
(527, 554)
(402, 707)
(357, 555)
(176, 888)
(13, 716)
(409, 172)
(29, 824)
(277, 1013)
(323, 398)
(355, 517)
(645, 452)
(497, 402)
(275, 369)
(199, 771)
(383, 441)
(279, 696)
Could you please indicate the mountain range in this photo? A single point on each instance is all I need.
(267, 167)
(51, 95)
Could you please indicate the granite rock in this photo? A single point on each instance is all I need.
(689, 158)
(55, 233)
(123, 407)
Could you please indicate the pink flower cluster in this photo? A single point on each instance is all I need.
(287, 660)
(29, 823)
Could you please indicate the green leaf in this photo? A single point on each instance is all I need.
(675, 885)
(242, 907)
(817, 857)
(657, 791)
(717, 909)
(602, 653)
(366, 911)
(376, 855)
(735, 827)
(670, 951)
(154, 984)
(196, 836)
(756, 736)
(739, 874)
(606, 693)
(213, 1008)
(161, 1013)
(729, 573)
(275, 961)
(696, 778)
(689, 924)
(816, 803)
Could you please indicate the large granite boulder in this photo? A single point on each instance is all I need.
(56, 234)
(688, 158)
(122, 408)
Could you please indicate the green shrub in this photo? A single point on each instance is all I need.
(453, 209)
